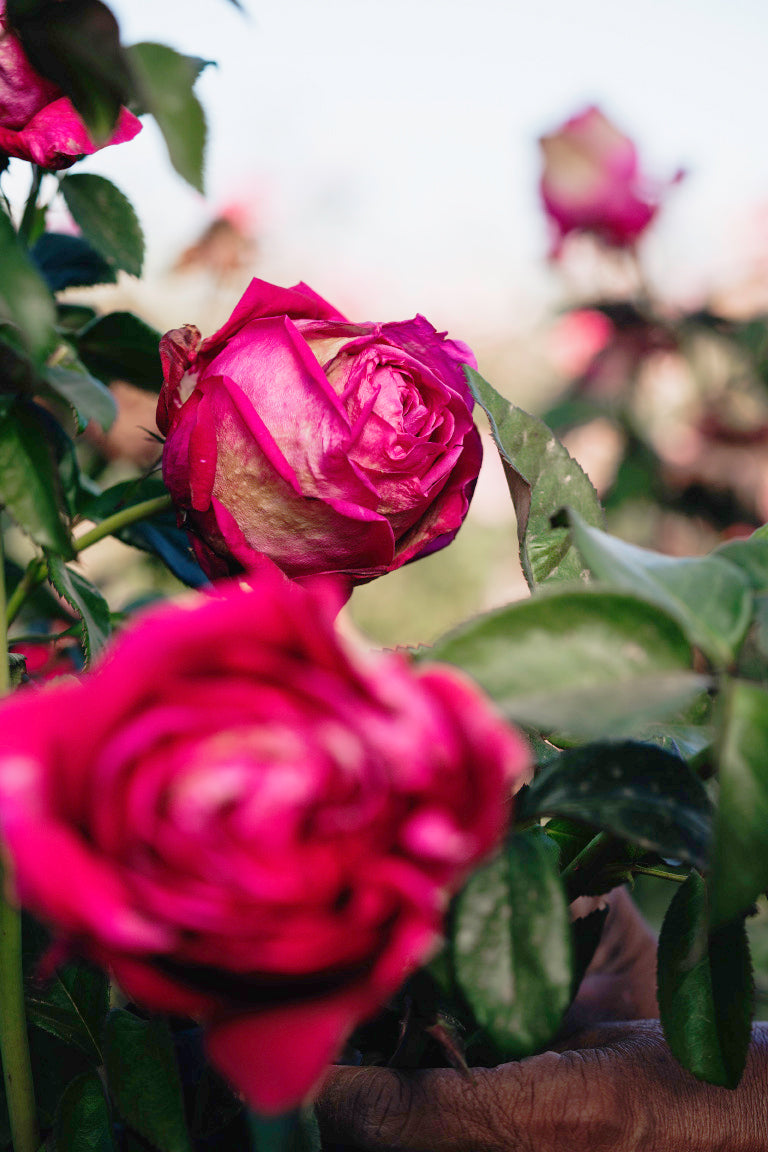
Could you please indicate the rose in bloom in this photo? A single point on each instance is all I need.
(591, 182)
(37, 121)
(250, 824)
(325, 445)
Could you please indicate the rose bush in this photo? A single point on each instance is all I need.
(37, 122)
(325, 445)
(251, 825)
(591, 182)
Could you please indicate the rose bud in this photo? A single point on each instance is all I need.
(591, 182)
(251, 824)
(325, 445)
(37, 121)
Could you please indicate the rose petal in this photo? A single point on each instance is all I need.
(276, 1057)
(56, 136)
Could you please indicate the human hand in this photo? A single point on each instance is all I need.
(609, 1088)
(616, 1089)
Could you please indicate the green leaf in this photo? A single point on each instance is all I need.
(581, 661)
(70, 477)
(542, 477)
(511, 943)
(569, 836)
(751, 556)
(17, 668)
(86, 395)
(293, 1132)
(705, 988)
(82, 1121)
(143, 1080)
(86, 600)
(710, 597)
(69, 262)
(160, 536)
(54, 1066)
(740, 855)
(24, 297)
(120, 346)
(73, 1006)
(636, 791)
(76, 43)
(73, 317)
(753, 655)
(107, 220)
(164, 80)
(30, 489)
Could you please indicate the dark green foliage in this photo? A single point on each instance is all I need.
(69, 262)
(705, 988)
(120, 346)
(633, 790)
(143, 1080)
(107, 219)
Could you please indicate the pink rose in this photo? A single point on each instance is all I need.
(37, 122)
(251, 825)
(327, 446)
(591, 182)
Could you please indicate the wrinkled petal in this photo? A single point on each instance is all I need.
(56, 136)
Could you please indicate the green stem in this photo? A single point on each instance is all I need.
(660, 873)
(28, 219)
(36, 569)
(32, 577)
(14, 1046)
(123, 519)
(47, 637)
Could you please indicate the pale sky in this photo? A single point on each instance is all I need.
(390, 145)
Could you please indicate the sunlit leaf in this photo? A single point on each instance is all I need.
(542, 477)
(581, 661)
(711, 598)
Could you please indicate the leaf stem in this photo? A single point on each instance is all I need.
(36, 569)
(14, 1046)
(122, 519)
(28, 219)
(660, 873)
(33, 576)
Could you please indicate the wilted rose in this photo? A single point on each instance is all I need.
(325, 445)
(37, 121)
(591, 182)
(250, 824)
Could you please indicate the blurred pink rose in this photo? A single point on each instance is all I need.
(250, 824)
(37, 122)
(591, 182)
(576, 338)
(325, 445)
